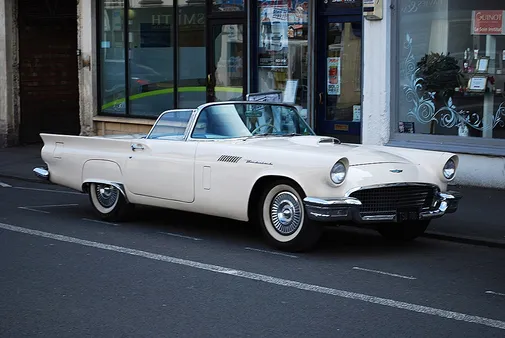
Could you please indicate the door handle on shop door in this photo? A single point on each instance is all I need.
(320, 98)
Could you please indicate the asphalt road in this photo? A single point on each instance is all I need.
(171, 274)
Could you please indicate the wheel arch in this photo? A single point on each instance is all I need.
(260, 185)
(86, 184)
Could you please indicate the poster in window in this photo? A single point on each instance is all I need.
(273, 40)
(333, 65)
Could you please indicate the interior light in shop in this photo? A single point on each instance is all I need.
(131, 14)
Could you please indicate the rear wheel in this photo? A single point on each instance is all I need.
(283, 220)
(406, 231)
(108, 202)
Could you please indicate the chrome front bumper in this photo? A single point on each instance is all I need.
(41, 173)
(348, 209)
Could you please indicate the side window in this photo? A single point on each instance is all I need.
(171, 126)
(200, 130)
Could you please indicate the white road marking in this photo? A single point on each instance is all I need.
(495, 293)
(50, 206)
(271, 252)
(181, 236)
(33, 208)
(4, 185)
(51, 190)
(267, 279)
(384, 273)
(30, 209)
(98, 221)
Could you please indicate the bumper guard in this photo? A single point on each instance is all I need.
(41, 173)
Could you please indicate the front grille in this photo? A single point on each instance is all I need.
(389, 200)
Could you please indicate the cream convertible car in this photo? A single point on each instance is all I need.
(258, 162)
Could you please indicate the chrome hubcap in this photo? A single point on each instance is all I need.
(286, 213)
(106, 195)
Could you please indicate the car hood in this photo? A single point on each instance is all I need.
(327, 146)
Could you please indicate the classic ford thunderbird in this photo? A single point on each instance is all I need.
(256, 162)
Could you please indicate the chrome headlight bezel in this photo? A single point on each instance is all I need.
(338, 172)
(449, 169)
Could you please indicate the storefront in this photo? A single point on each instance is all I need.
(151, 59)
(444, 80)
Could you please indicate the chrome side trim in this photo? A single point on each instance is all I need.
(41, 173)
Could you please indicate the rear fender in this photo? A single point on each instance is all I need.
(102, 171)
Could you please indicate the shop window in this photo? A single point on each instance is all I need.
(151, 57)
(112, 57)
(148, 56)
(283, 49)
(451, 70)
(228, 5)
(192, 73)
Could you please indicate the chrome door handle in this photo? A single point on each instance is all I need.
(137, 147)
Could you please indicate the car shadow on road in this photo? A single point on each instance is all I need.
(335, 241)
(341, 241)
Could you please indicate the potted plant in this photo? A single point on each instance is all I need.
(440, 73)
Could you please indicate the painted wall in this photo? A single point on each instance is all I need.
(88, 74)
(376, 79)
(9, 74)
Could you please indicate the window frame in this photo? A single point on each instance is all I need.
(449, 143)
(189, 125)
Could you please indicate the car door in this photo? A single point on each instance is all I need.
(162, 165)
(162, 169)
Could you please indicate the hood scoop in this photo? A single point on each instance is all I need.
(329, 140)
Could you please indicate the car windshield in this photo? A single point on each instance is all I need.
(234, 120)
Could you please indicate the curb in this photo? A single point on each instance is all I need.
(474, 240)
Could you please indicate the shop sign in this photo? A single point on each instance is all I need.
(273, 41)
(333, 73)
(488, 22)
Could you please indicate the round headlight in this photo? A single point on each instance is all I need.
(338, 172)
(449, 169)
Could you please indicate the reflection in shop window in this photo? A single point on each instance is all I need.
(452, 68)
(192, 69)
(112, 57)
(151, 57)
(283, 49)
(228, 5)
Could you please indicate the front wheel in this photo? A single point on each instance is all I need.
(406, 231)
(108, 202)
(283, 220)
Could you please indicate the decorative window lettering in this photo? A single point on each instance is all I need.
(423, 106)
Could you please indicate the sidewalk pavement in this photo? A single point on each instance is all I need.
(479, 219)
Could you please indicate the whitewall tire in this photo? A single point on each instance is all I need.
(107, 201)
(283, 219)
